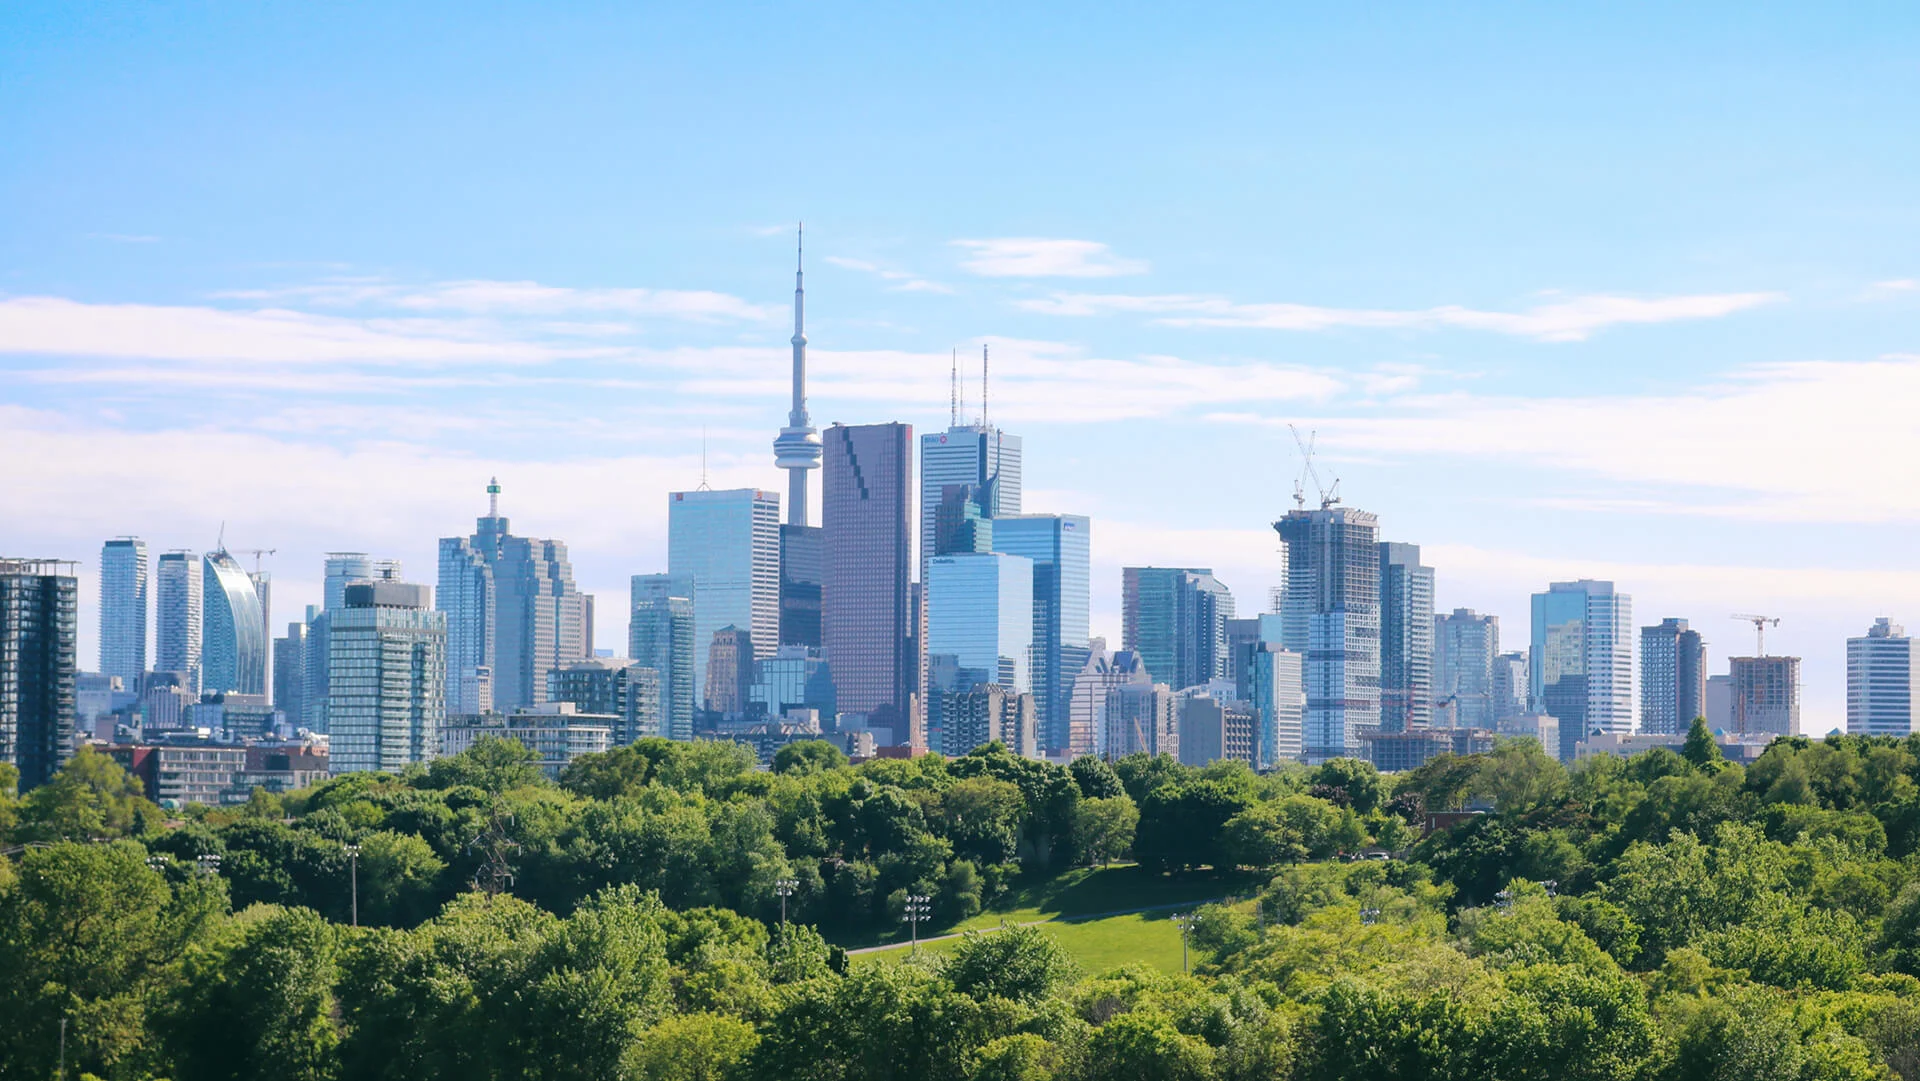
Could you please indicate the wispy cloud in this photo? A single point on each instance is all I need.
(1892, 287)
(903, 282)
(481, 297)
(1573, 319)
(1043, 257)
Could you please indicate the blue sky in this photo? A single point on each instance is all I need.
(1611, 291)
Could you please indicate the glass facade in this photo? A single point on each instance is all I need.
(233, 654)
(1465, 644)
(865, 622)
(727, 544)
(966, 454)
(801, 563)
(1060, 546)
(177, 615)
(39, 661)
(1582, 660)
(1673, 677)
(660, 636)
(1175, 618)
(794, 678)
(1406, 638)
(979, 628)
(1330, 615)
(512, 609)
(613, 687)
(387, 678)
(1880, 681)
(123, 609)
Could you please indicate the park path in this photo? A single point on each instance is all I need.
(1050, 919)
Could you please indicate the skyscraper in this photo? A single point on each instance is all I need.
(290, 671)
(1406, 638)
(1880, 667)
(1673, 677)
(1175, 619)
(177, 616)
(1766, 694)
(727, 545)
(1330, 615)
(797, 677)
(802, 560)
(233, 629)
(1087, 710)
(1060, 547)
(123, 609)
(511, 606)
(342, 569)
(797, 449)
(660, 636)
(1582, 660)
(980, 619)
(613, 687)
(1465, 644)
(387, 674)
(729, 671)
(39, 666)
(1273, 686)
(867, 512)
(979, 455)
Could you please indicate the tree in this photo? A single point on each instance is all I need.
(808, 756)
(1145, 1045)
(1358, 781)
(982, 818)
(1700, 749)
(89, 798)
(1095, 778)
(399, 879)
(259, 1004)
(1024, 964)
(493, 765)
(1104, 827)
(691, 1047)
(1519, 776)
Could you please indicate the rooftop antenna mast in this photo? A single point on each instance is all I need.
(221, 544)
(983, 384)
(703, 459)
(1328, 495)
(1759, 630)
(493, 497)
(953, 391)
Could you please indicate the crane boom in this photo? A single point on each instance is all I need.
(1328, 496)
(1759, 629)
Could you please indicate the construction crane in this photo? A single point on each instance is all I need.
(1759, 630)
(256, 553)
(1328, 496)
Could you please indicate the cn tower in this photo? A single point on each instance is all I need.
(797, 450)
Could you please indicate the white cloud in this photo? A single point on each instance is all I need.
(484, 297)
(1574, 319)
(903, 282)
(1041, 257)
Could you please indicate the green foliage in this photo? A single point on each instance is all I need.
(1700, 749)
(91, 798)
(809, 756)
(492, 765)
(1104, 826)
(1018, 963)
(257, 1001)
(1095, 778)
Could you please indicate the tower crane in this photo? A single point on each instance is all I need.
(256, 553)
(1759, 630)
(1328, 496)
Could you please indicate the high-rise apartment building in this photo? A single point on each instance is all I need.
(233, 629)
(1582, 660)
(1175, 619)
(1087, 710)
(39, 666)
(979, 629)
(387, 675)
(866, 624)
(1060, 547)
(1465, 645)
(727, 544)
(611, 687)
(1673, 677)
(1141, 718)
(1766, 694)
(341, 570)
(1880, 669)
(989, 713)
(1406, 638)
(1270, 679)
(511, 606)
(1513, 687)
(123, 609)
(729, 671)
(1330, 615)
(290, 670)
(660, 636)
(177, 615)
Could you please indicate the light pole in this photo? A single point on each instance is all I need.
(1185, 921)
(209, 863)
(1553, 888)
(1504, 899)
(353, 877)
(785, 887)
(62, 1075)
(919, 907)
(157, 863)
(1369, 916)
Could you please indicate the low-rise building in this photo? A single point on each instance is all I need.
(554, 730)
(177, 773)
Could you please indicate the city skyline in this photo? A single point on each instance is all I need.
(445, 310)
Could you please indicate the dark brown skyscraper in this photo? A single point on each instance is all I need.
(866, 626)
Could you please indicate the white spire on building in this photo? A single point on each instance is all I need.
(797, 450)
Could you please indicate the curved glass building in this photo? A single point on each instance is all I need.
(233, 634)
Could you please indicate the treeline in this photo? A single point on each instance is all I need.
(1666, 916)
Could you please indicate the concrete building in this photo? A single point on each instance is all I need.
(1216, 728)
(660, 636)
(555, 731)
(290, 671)
(1394, 752)
(1330, 615)
(233, 629)
(1542, 728)
(729, 671)
(341, 570)
(986, 713)
(727, 545)
(1880, 667)
(39, 666)
(1512, 684)
(616, 687)
(1720, 703)
(1766, 695)
(1741, 749)
(1406, 637)
(387, 665)
(513, 613)
(1673, 677)
(1582, 659)
(1141, 718)
(177, 616)
(1087, 710)
(867, 627)
(123, 609)
(1175, 619)
(1465, 646)
(175, 774)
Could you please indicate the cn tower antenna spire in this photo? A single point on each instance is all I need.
(797, 449)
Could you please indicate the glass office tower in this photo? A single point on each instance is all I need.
(123, 610)
(1406, 638)
(727, 544)
(1330, 615)
(1060, 547)
(866, 627)
(1582, 660)
(233, 628)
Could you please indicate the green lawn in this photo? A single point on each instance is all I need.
(1148, 938)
